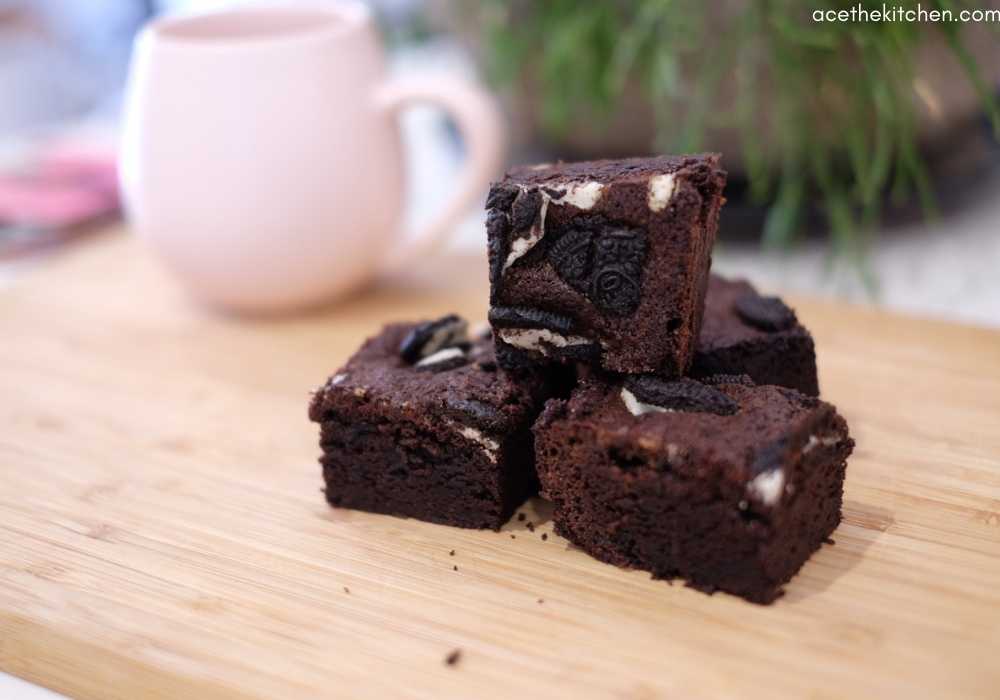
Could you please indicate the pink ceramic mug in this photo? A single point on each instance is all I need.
(261, 155)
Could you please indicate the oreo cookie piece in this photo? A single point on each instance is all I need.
(741, 379)
(769, 457)
(481, 414)
(524, 210)
(766, 313)
(497, 230)
(526, 317)
(501, 195)
(428, 338)
(616, 284)
(680, 395)
(571, 256)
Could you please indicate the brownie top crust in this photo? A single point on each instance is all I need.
(736, 313)
(607, 171)
(732, 433)
(434, 368)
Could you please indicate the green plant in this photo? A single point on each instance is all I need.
(840, 113)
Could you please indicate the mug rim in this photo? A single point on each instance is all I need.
(352, 15)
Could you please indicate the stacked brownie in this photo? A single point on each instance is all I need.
(670, 415)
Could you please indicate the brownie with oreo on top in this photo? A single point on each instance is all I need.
(746, 333)
(728, 485)
(422, 423)
(604, 262)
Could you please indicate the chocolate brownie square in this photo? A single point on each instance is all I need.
(604, 261)
(745, 333)
(730, 486)
(422, 423)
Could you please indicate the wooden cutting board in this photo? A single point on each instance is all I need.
(162, 532)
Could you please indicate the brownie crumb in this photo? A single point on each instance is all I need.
(455, 568)
(346, 589)
(545, 536)
(541, 600)
(451, 553)
(531, 526)
(521, 517)
(829, 540)
(513, 537)
(453, 657)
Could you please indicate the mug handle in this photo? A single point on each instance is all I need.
(477, 117)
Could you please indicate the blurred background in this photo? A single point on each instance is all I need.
(863, 158)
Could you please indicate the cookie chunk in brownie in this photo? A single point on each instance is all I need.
(728, 485)
(604, 262)
(746, 333)
(422, 423)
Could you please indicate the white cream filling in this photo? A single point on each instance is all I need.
(539, 338)
(445, 337)
(825, 441)
(489, 445)
(441, 356)
(338, 378)
(638, 408)
(661, 189)
(767, 487)
(520, 246)
(582, 195)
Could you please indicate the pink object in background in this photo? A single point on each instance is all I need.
(53, 198)
(261, 156)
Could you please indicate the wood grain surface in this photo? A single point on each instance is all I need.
(162, 532)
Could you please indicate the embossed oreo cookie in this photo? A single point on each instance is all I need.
(604, 262)
(572, 257)
(766, 313)
(428, 338)
(619, 255)
(680, 395)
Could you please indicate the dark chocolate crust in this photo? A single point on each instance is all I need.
(447, 443)
(628, 278)
(662, 492)
(770, 351)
